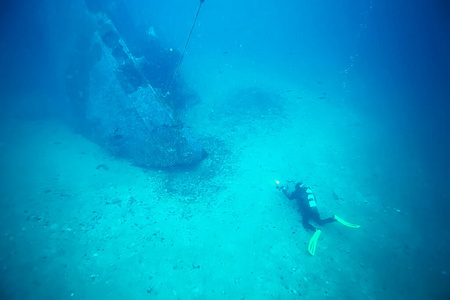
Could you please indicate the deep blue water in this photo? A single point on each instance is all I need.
(388, 61)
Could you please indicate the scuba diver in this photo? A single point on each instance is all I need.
(307, 204)
(308, 208)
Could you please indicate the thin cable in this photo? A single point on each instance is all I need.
(184, 50)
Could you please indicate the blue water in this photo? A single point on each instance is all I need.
(351, 97)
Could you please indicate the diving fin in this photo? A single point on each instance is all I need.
(345, 223)
(313, 242)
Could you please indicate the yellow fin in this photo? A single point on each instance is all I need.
(346, 223)
(313, 242)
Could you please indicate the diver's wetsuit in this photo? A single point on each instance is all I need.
(308, 206)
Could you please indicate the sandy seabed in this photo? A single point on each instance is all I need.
(78, 223)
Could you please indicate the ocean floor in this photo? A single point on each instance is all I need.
(78, 223)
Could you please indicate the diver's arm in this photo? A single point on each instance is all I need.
(285, 190)
(288, 195)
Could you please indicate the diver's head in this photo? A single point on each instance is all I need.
(298, 185)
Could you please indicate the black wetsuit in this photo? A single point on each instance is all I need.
(307, 206)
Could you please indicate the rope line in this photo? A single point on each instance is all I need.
(184, 50)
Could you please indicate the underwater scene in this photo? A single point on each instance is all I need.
(210, 149)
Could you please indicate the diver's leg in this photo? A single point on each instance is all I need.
(327, 220)
(316, 218)
(306, 225)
